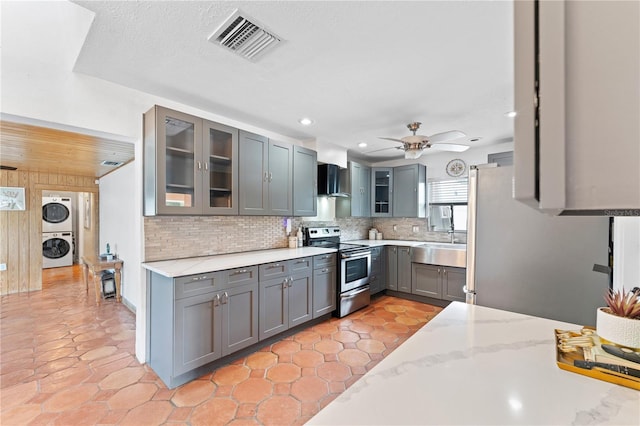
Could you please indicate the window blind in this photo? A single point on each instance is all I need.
(448, 191)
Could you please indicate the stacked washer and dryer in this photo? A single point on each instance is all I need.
(57, 232)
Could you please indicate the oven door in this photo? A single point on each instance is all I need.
(355, 270)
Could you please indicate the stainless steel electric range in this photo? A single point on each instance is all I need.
(354, 268)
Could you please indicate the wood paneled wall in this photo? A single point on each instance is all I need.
(21, 231)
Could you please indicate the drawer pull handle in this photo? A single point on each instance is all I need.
(239, 271)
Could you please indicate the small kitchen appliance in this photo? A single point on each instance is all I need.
(354, 268)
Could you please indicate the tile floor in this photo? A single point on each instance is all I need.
(65, 361)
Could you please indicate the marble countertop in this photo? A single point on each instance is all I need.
(220, 262)
(406, 243)
(475, 365)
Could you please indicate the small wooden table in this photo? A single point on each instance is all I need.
(95, 265)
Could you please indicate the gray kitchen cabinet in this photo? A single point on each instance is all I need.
(377, 279)
(410, 191)
(305, 182)
(266, 176)
(438, 282)
(381, 191)
(426, 280)
(358, 184)
(197, 319)
(285, 297)
(190, 165)
(404, 269)
(324, 284)
(392, 267)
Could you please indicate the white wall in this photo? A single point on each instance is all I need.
(626, 252)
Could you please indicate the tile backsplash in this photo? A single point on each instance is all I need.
(176, 237)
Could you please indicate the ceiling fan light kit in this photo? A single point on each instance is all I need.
(414, 145)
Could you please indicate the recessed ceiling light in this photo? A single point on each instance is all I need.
(362, 144)
(305, 121)
(510, 114)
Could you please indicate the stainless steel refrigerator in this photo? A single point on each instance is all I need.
(521, 260)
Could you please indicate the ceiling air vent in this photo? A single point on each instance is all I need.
(242, 35)
(111, 163)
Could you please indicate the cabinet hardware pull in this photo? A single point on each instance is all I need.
(239, 271)
(206, 165)
(284, 283)
(324, 270)
(225, 298)
(199, 165)
(216, 300)
(266, 176)
(290, 281)
(270, 176)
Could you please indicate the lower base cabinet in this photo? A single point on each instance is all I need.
(399, 268)
(324, 285)
(438, 282)
(377, 278)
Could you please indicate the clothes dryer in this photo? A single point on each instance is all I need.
(56, 214)
(57, 249)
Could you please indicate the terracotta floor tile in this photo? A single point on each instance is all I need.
(243, 422)
(286, 373)
(150, 413)
(69, 398)
(122, 378)
(62, 352)
(278, 410)
(231, 374)
(193, 393)
(132, 396)
(262, 360)
(215, 411)
(252, 390)
(309, 389)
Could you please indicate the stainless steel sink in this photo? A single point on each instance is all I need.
(442, 254)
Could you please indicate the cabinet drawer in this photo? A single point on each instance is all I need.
(194, 285)
(273, 270)
(302, 264)
(240, 276)
(324, 260)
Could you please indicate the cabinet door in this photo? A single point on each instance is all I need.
(426, 280)
(392, 268)
(356, 189)
(404, 269)
(239, 317)
(453, 281)
(300, 292)
(280, 178)
(197, 339)
(324, 291)
(305, 182)
(377, 280)
(178, 166)
(254, 174)
(381, 191)
(365, 185)
(409, 191)
(220, 161)
(274, 307)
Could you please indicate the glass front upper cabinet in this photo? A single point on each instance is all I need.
(220, 169)
(381, 188)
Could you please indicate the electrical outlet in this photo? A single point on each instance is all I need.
(416, 228)
(395, 228)
(3, 266)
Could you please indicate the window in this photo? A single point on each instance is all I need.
(448, 205)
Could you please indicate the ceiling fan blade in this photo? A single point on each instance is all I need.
(383, 149)
(452, 147)
(446, 136)
(391, 139)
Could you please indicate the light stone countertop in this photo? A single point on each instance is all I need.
(220, 262)
(473, 365)
(406, 243)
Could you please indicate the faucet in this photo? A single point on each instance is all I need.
(451, 232)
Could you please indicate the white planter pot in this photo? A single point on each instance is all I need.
(619, 330)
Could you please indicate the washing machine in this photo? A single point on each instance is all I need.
(56, 214)
(57, 249)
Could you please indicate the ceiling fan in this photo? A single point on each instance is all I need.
(415, 145)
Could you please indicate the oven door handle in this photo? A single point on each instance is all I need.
(355, 292)
(356, 255)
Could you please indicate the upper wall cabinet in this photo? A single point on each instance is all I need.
(266, 176)
(577, 98)
(381, 191)
(358, 183)
(190, 165)
(305, 182)
(410, 191)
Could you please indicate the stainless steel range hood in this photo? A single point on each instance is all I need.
(329, 181)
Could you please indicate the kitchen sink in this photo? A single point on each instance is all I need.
(443, 254)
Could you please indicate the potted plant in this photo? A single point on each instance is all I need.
(619, 322)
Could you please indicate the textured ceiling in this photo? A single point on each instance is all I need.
(359, 69)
